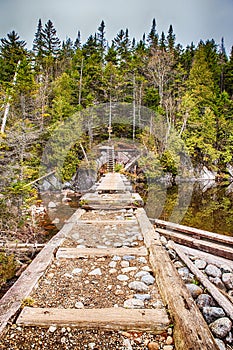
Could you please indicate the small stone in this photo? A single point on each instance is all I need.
(116, 258)
(168, 347)
(129, 269)
(133, 304)
(163, 240)
(77, 271)
(91, 346)
(212, 270)
(212, 313)
(153, 346)
(194, 290)
(217, 282)
(158, 305)
(63, 340)
(142, 297)
(79, 305)
(112, 264)
(204, 300)
(138, 286)
(52, 205)
(122, 278)
(95, 272)
(220, 344)
(227, 279)
(118, 244)
(146, 268)
(221, 327)
(112, 271)
(178, 264)
(124, 263)
(127, 344)
(52, 329)
(119, 292)
(68, 275)
(200, 264)
(229, 338)
(142, 260)
(148, 279)
(170, 331)
(128, 257)
(140, 274)
(169, 340)
(185, 274)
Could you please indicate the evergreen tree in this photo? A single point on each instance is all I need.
(101, 37)
(162, 42)
(153, 37)
(39, 42)
(171, 38)
(77, 43)
(51, 41)
(12, 51)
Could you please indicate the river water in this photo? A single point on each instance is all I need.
(204, 205)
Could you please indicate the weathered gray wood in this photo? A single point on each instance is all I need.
(209, 258)
(73, 253)
(12, 300)
(155, 320)
(190, 329)
(212, 289)
(194, 231)
(209, 247)
(106, 222)
(149, 234)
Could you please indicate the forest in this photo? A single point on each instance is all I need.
(190, 88)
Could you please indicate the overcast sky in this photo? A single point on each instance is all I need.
(192, 20)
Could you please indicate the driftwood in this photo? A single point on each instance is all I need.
(209, 247)
(212, 289)
(190, 329)
(155, 320)
(209, 258)
(194, 231)
(73, 253)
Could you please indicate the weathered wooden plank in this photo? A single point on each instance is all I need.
(194, 231)
(209, 258)
(155, 320)
(209, 247)
(190, 329)
(107, 222)
(11, 301)
(212, 289)
(73, 253)
(147, 229)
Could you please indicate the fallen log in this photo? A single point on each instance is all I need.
(194, 231)
(209, 247)
(212, 289)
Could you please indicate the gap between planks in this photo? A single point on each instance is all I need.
(154, 320)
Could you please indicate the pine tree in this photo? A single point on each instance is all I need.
(12, 51)
(162, 42)
(153, 37)
(171, 38)
(39, 42)
(51, 41)
(101, 37)
(77, 43)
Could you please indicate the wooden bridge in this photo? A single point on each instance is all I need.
(104, 281)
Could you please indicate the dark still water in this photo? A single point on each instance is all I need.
(204, 205)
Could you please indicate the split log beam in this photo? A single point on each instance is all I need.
(194, 231)
(209, 247)
(154, 320)
(73, 253)
(149, 234)
(191, 332)
(212, 289)
(209, 258)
